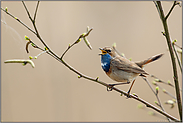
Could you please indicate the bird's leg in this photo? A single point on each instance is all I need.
(130, 89)
(110, 87)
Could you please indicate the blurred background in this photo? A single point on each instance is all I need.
(51, 92)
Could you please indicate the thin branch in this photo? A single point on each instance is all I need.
(159, 80)
(27, 11)
(172, 58)
(155, 2)
(178, 46)
(166, 92)
(174, 4)
(178, 59)
(18, 20)
(24, 61)
(156, 84)
(37, 33)
(156, 94)
(36, 11)
(77, 41)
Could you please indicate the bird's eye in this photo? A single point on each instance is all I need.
(108, 51)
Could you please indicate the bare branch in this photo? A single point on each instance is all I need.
(21, 61)
(164, 21)
(27, 10)
(174, 4)
(36, 11)
(176, 54)
(156, 94)
(18, 20)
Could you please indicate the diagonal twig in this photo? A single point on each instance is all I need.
(174, 4)
(37, 33)
(18, 20)
(36, 11)
(27, 11)
(156, 94)
(176, 54)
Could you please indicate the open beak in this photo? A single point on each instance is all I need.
(101, 50)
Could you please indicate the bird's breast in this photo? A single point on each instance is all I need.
(120, 76)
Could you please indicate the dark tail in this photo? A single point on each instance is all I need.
(149, 60)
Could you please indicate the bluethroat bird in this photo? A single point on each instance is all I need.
(121, 69)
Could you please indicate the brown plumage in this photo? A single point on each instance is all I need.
(121, 69)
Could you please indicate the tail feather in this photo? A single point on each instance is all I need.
(149, 60)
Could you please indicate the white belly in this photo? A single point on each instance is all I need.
(122, 76)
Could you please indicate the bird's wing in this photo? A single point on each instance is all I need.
(126, 65)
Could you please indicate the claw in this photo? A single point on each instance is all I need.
(110, 87)
(128, 96)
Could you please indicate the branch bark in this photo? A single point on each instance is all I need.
(167, 35)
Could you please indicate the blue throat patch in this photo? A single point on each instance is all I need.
(105, 62)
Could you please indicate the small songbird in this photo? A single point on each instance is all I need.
(121, 69)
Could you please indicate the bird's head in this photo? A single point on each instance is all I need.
(107, 50)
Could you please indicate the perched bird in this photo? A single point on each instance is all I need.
(121, 69)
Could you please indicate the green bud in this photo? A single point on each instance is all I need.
(174, 100)
(156, 102)
(79, 76)
(164, 90)
(6, 9)
(163, 33)
(130, 59)
(123, 54)
(157, 80)
(30, 57)
(169, 102)
(33, 44)
(174, 41)
(87, 28)
(45, 48)
(114, 45)
(179, 51)
(87, 43)
(169, 82)
(135, 94)
(178, 3)
(83, 34)
(35, 57)
(78, 40)
(23, 64)
(27, 38)
(157, 88)
(154, 83)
